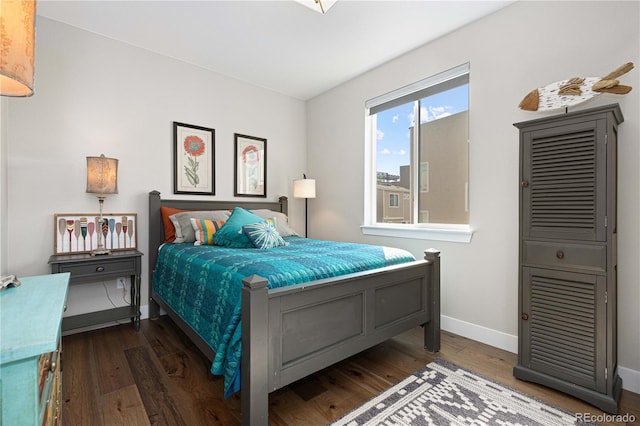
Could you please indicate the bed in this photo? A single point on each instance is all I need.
(290, 332)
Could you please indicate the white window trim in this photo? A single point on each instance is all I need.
(451, 233)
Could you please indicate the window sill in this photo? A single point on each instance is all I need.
(452, 233)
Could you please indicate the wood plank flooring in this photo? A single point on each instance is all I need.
(117, 376)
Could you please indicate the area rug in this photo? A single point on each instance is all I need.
(444, 394)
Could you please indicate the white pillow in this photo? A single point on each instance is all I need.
(281, 219)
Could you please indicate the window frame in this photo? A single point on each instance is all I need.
(431, 231)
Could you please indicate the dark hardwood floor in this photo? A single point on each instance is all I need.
(117, 376)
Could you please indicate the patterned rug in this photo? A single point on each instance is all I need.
(444, 394)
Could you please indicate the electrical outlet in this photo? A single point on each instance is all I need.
(120, 282)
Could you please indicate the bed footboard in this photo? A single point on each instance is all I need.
(291, 332)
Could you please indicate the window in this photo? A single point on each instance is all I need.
(418, 146)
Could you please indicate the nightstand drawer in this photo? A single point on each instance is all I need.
(94, 270)
(565, 255)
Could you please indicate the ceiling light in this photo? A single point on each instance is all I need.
(320, 6)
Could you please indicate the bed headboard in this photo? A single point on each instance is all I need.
(156, 228)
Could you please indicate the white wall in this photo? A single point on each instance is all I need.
(94, 95)
(524, 46)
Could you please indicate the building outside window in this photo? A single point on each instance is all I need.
(393, 200)
(417, 143)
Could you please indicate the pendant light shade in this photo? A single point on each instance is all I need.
(17, 41)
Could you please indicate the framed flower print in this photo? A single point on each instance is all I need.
(250, 166)
(194, 159)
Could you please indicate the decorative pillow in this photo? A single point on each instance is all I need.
(263, 235)
(231, 235)
(182, 223)
(281, 220)
(204, 230)
(169, 229)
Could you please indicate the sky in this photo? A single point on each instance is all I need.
(393, 125)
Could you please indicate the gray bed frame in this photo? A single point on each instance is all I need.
(291, 332)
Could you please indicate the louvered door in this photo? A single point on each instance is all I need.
(562, 182)
(567, 336)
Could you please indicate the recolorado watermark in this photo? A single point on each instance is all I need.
(606, 418)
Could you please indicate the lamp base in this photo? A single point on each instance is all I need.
(100, 251)
(103, 228)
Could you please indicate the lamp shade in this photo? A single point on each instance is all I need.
(102, 175)
(304, 188)
(17, 38)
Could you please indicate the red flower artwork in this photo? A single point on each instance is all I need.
(193, 147)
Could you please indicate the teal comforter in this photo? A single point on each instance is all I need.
(203, 284)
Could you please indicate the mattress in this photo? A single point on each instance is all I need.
(202, 284)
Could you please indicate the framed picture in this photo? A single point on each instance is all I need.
(79, 232)
(250, 166)
(194, 160)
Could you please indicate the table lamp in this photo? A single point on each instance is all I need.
(102, 179)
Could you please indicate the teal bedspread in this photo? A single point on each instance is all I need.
(203, 284)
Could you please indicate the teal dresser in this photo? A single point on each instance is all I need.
(30, 320)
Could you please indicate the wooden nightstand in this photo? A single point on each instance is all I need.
(85, 268)
(30, 389)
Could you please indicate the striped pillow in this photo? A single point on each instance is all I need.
(204, 230)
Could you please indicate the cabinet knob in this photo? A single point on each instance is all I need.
(100, 269)
(525, 183)
(560, 254)
(525, 317)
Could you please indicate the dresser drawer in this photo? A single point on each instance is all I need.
(49, 389)
(45, 373)
(94, 270)
(565, 255)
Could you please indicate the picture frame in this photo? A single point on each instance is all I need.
(78, 232)
(194, 159)
(250, 166)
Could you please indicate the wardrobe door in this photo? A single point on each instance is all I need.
(562, 336)
(563, 179)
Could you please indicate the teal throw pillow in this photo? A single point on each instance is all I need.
(231, 235)
(264, 235)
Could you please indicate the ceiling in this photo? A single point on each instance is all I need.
(279, 45)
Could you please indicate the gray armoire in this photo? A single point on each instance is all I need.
(568, 244)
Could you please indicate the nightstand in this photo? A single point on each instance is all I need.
(30, 370)
(85, 268)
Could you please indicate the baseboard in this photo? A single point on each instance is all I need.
(498, 339)
(630, 379)
(508, 342)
